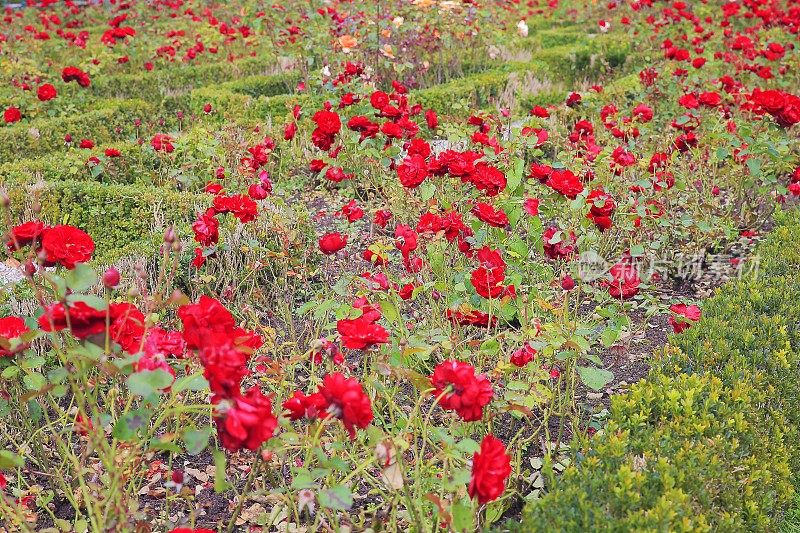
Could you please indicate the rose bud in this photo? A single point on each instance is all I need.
(111, 278)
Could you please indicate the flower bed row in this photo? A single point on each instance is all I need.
(709, 441)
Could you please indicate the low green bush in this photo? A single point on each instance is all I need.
(708, 442)
(119, 217)
(110, 120)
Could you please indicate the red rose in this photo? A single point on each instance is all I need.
(431, 119)
(491, 466)
(379, 100)
(405, 239)
(346, 400)
(84, 320)
(11, 327)
(46, 92)
(127, 328)
(330, 243)
(625, 280)
(523, 356)
(488, 214)
(488, 179)
(602, 207)
(12, 114)
(244, 421)
(67, 246)
(362, 332)
(241, 206)
(327, 122)
(25, 234)
(206, 228)
(162, 142)
(413, 171)
(75, 74)
(202, 318)
(684, 316)
(566, 183)
(563, 248)
(460, 390)
(289, 131)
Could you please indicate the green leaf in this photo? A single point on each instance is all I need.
(609, 337)
(147, 382)
(129, 424)
(9, 460)
(193, 382)
(34, 381)
(594, 378)
(81, 278)
(390, 311)
(9, 372)
(468, 446)
(196, 440)
(220, 466)
(427, 190)
(515, 177)
(337, 497)
(463, 519)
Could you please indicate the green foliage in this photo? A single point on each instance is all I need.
(709, 441)
(122, 214)
(110, 120)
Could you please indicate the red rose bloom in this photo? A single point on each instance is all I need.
(11, 327)
(162, 142)
(563, 249)
(413, 171)
(127, 328)
(84, 320)
(46, 92)
(488, 214)
(460, 390)
(330, 243)
(67, 246)
(431, 119)
(328, 122)
(241, 206)
(684, 316)
(362, 332)
(602, 207)
(523, 356)
(491, 466)
(346, 400)
(566, 183)
(625, 280)
(12, 114)
(75, 74)
(25, 234)
(206, 228)
(244, 421)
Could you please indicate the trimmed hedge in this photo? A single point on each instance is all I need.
(708, 442)
(112, 119)
(163, 82)
(120, 217)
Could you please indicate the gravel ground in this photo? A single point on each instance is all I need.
(9, 275)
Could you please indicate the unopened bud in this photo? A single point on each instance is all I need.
(111, 278)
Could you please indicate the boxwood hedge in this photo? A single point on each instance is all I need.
(708, 442)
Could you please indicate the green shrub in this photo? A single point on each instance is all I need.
(110, 120)
(120, 218)
(709, 441)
